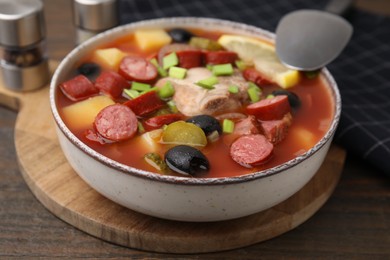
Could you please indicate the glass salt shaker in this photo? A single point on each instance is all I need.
(94, 16)
(23, 55)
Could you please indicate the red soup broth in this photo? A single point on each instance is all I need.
(314, 116)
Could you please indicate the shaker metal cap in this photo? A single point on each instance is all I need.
(96, 15)
(21, 22)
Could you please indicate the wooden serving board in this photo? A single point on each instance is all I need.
(60, 190)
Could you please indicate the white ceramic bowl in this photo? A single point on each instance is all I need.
(180, 198)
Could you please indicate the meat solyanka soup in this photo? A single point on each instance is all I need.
(194, 103)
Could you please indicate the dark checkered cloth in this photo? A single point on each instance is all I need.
(362, 71)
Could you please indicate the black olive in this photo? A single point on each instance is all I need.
(180, 35)
(208, 123)
(293, 98)
(90, 70)
(187, 160)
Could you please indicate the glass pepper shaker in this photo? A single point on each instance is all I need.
(94, 16)
(23, 54)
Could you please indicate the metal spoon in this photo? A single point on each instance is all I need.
(309, 39)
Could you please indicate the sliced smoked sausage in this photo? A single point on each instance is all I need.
(111, 83)
(251, 150)
(270, 108)
(220, 57)
(116, 122)
(137, 69)
(78, 88)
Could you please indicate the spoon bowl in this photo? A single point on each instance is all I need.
(308, 40)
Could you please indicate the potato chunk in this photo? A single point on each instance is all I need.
(109, 58)
(304, 136)
(151, 40)
(82, 114)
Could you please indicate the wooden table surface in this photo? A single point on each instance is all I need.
(353, 224)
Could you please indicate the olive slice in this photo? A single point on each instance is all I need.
(207, 123)
(180, 35)
(187, 160)
(293, 98)
(90, 70)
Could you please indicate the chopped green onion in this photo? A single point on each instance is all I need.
(170, 60)
(160, 70)
(254, 94)
(208, 83)
(172, 106)
(214, 136)
(252, 85)
(131, 93)
(155, 160)
(178, 73)
(209, 67)
(140, 86)
(270, 96)
(141, 128)
(240, 65)
(227, 126)
(311, 74)
(233, 89)
(148, 90)
(204, 43)
(167, 90)
(222, 69)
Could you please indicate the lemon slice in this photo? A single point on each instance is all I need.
(263, 56)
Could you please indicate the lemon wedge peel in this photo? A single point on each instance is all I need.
(262, 56)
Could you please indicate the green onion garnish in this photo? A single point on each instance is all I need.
(252, 85)
(254, 94)
(141, 128)
(270, 96)
(167, 90)
(208, 83)
(131, 93)
(222, 69)
(311, 74)
(176, 72)
(172, 106)
(240, 65)
(233, 89)
(140, 86)
(227, 126)
(170, 60)
(160, 70)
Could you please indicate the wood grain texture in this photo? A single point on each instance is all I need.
(59, 189)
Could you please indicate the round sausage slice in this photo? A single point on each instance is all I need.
(137, 69)
(116, 122)
(270, 108)
(251, 150)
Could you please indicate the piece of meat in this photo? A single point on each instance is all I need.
(220, 57)
(276, 130)
(111, 83)
(174, 47)
(137, 69)
(161, 120)
(256, 77)
(145, 103)
(251, 150)
(116, 123)
(192, 99)
(270, 108)
(190, 58)
(247, 126)
(78, 88)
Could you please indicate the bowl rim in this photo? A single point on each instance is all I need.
(194, 22)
